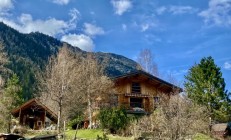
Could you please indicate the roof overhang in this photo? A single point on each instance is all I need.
(155, 81)
(35, 102)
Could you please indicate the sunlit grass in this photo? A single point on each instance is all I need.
(84, 133)
(92, 134)
(200, 136)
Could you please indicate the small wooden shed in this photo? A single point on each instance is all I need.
(221, 130)
(35, 114)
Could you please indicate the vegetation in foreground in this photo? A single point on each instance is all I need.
(200, 136)
(92, 134)
(84, 133)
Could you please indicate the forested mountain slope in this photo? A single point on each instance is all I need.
(28, 55)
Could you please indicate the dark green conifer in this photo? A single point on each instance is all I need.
(204, 85)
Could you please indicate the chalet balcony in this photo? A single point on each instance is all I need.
(134, 108)
(136, 95)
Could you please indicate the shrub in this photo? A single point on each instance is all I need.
(104, 137)
(113, 119)
(74, 122)
(178, 118)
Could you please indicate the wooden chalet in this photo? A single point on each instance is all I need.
(140, 92)
(35, 115)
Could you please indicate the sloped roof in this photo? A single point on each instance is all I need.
(50, 114)
(155, 79)
(219, 127)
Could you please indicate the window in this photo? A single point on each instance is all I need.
(136, 88)
(39, 123)
(136, 102)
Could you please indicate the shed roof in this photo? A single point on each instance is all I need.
(219, 127)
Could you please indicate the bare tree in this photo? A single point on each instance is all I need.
(73, 83)
(147, 62)
(175, 119)
(93, 84)
(61, 78)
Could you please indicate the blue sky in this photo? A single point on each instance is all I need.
(179, 33)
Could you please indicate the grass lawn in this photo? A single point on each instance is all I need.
(92, 134)
(84, 133)
(200, 136)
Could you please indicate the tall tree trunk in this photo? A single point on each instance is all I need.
(59, 116)
(89, 111)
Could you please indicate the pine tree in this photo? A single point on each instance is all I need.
(11, 98)
(204, 85)
(13, 93)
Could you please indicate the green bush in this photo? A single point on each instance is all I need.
(113, 119)
(104, 137)
(77, 120)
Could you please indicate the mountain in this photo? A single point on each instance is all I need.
(28, 55)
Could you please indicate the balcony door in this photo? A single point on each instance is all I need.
(136, 102)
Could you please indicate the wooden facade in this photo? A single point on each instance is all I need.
(140, 92)
(35, 115)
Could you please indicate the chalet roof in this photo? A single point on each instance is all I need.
(220, 127)
(50, 114)
(157, 80)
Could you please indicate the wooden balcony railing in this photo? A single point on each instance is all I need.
(134, 108)
(136, 95)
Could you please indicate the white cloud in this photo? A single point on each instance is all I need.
(82, 41)
(121, 6)
(51, 26)
(218, 13)
(61, 2)
(227, 65)
(5, 5)
(151, 39)
(145, 22)
(93, 30)
(161, 10)
(74, 14)
(144, 27)
(176, 10)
